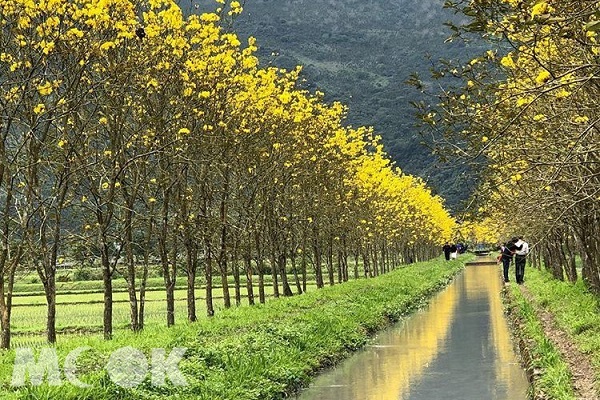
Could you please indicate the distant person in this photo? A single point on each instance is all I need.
(453, 252)
(521, 251)
(460, 248)
(447, 250)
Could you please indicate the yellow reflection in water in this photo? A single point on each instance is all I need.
(387, 371)
(420, 341)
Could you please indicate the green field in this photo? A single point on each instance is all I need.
(80, 306)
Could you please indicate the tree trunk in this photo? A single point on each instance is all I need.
(147, 242)
(295, 271)
(210, 311)
(274, 277)
(281, 261)
(340, 267)
(236, 278)
(261, 280)
(108, 291)
(303, 263)
(318, 264)
(50, 288)
(329, 263)
(225, 284)
(143, 296)
(191, 265)
(571, 268)
(7, 277)
(169, 265)
(375, 260)
(130, 276)
(366, 266)
(5, 337)
(249, 287)
(591, 259)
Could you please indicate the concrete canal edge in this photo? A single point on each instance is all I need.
(524, 344)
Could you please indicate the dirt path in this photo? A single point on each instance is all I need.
(579, 363)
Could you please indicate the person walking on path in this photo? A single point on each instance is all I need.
(522, 249)
(447, 250)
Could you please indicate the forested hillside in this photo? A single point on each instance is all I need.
(361, 52)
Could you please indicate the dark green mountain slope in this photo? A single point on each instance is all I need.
(361, 52)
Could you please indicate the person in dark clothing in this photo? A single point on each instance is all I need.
(508, 250)
(447, 250)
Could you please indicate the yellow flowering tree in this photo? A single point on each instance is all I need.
(528, 109)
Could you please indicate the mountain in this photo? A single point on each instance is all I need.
(361, 52)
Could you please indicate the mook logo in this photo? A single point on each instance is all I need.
(127, 367)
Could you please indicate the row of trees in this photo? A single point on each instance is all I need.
(529, 109)
(129, 129)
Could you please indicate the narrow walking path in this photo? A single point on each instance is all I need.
(459, 347)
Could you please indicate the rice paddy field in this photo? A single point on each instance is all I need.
(79, 308)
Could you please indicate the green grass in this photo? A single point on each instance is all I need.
(261, 352)
(554, 379)
(576, 311)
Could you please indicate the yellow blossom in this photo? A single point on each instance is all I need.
(107, 46)
(45, 89)
(540, 8)
(40, 108)
(543, 77)
(507, 61)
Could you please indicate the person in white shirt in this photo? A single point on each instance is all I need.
(522, 249)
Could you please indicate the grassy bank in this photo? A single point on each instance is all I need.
(260, 352)
(576, 312)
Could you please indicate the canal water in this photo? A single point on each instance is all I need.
(458, 347)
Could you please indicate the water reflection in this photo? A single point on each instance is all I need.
(458, 348)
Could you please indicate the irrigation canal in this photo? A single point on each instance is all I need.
(458, 347)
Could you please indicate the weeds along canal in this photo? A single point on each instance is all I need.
(458, 347)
